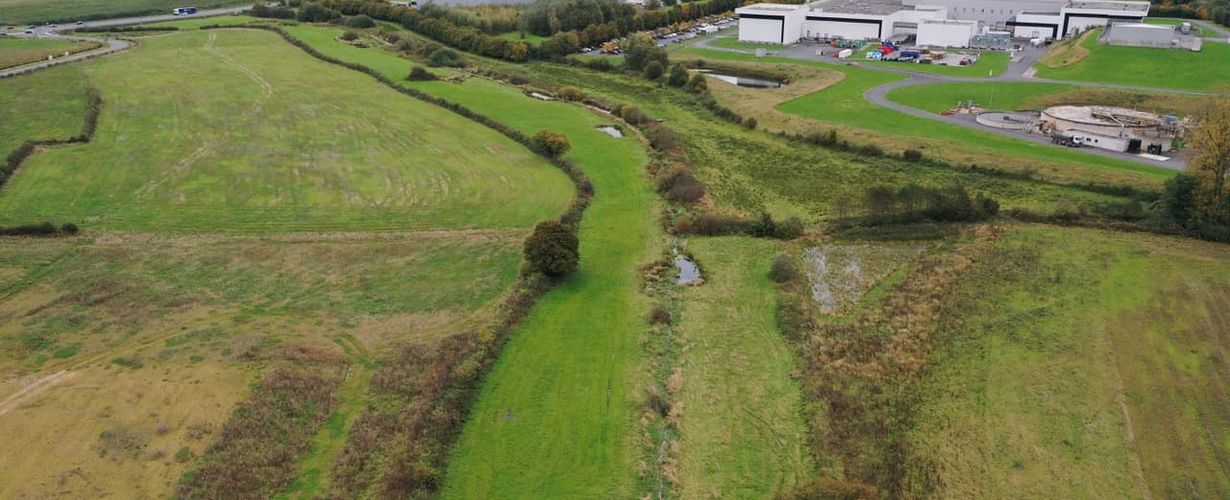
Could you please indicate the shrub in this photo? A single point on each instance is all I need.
(551, 144)
(789, 229)
(681, 185)
(445, 58)
(350, 36)
(654, 70)
(697, 84)
(659, 316)
(420, 74)
(912, 155)
(315, 13)
(661, 138)
(360, 21)
(678, 76)
(552, 249)
(713, 224)
(274, 12)
(783, 270)
(750, 123)
(763, 227)
(571, 94)
(632, 114)
(44, 229)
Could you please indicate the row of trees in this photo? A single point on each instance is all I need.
(1199, 200)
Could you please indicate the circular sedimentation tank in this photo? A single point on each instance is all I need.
(1010, 120)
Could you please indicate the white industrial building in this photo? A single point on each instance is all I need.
(884, 19)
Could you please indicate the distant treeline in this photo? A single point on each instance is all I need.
(570, 24)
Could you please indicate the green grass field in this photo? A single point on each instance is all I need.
(529, 38)
(843, 103)
(34, 11)
(19, 51)
(241, 150)
(1078, 363)
(520, 440)
(1208, 69)
(938, 97)
(742, 435)
(42, 105)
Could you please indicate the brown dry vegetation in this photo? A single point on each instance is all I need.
(1068, 52)
(856, 373)
(1179, 104)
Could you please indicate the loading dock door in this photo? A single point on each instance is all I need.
(1134, 146)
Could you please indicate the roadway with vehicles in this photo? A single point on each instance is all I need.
(109, 45)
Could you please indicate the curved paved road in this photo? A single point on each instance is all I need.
(111, 45)
(1018, 71)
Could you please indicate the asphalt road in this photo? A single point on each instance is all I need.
(110, 45)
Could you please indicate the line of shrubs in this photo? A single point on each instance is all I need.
(43, 229)
(717, 224)
(882, 205)
(125, 29)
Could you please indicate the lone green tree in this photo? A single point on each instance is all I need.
(552, 249)
(1211, 166)
(678, 77)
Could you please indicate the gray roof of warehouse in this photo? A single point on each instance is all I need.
(867, 7)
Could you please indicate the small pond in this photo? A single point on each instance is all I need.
(689, 272)
(747, 81)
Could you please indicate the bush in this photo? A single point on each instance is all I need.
(44, 229)
(661, 138)
(420, 74)
(713, 224)
(912, 155)
(697, 84)
(551, 144)
(750, 123)
(680, 185)
(763, 227)
(69, 228)
(654, 70)
(659, 316)
(552, 249)
(445, 58)
(360, 21)
(632, 115)
(350, 36)
(678, 76)
(783, 270)
(570, 94)
(315, 13)
(789, 229)
(275, 12)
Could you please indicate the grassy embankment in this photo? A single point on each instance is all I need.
(148, 340)
(742, 435)
(522, 435)
(19, 51)
(1076, 363)
(938, 97)
(35, 11)
(275, 161)
(1089, 61)
(843, 104)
